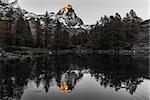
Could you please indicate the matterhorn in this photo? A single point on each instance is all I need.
(68, 16)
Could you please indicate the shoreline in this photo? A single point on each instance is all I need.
(29, 52)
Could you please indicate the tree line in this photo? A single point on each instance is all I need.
(113, 32)
(109, 33)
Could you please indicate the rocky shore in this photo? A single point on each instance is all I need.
(26, 52)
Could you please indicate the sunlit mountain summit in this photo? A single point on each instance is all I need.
(65, 10)
(68, 16)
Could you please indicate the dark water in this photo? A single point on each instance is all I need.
(70, 77)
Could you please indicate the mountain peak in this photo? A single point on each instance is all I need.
(68, 16)
(67, 8)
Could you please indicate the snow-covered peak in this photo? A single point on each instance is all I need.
(8, 11)
(67, 16)
(13, 3)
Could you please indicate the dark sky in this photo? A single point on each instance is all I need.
(88, 10)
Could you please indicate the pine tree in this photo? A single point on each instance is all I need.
(46, 27)
(39, 41)
(131, 28)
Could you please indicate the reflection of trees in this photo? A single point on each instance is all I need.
(118, 73)
(47, 68)
(110, 71)
(117, 82)
(13, 81)
(131, 84)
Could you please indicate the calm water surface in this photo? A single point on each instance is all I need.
(70, 77)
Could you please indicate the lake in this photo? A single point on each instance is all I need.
(75, 77)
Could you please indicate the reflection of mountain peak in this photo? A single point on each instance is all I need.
(68, 81)
(66, 88)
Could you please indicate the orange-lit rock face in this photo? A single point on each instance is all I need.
(65, 9)
(64, 87)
